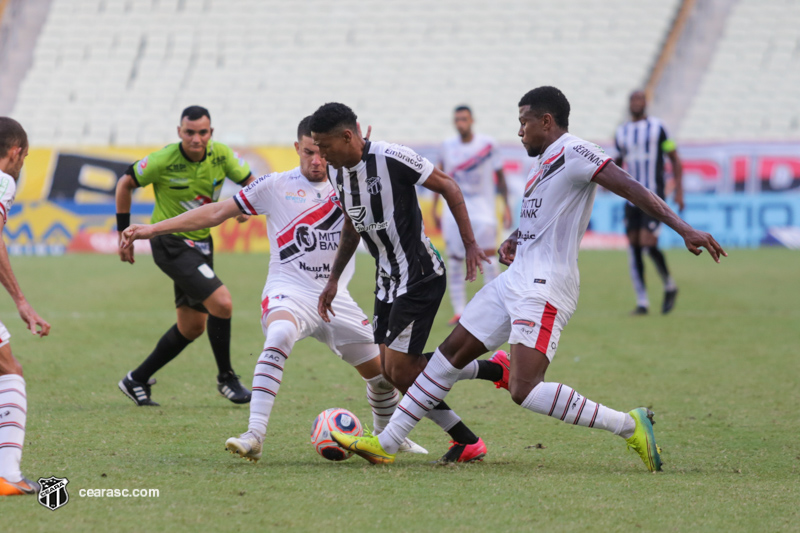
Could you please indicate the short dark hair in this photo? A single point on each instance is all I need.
(332, 116)
(304, 128)
(195, 112)
(12, 134)
(548, 100)
(463, 108)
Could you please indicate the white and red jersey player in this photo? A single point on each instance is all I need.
(8, 190)
(304, 223)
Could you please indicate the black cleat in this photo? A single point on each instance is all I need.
(639, 311)
(228, 385)
(669, 300)
(464, 453)
(137, 391)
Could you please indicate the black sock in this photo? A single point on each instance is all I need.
(489, 370)
(639, 261)
(661, 263)
(462, 434)
(168, 347)
(428, 355)
(219, 335)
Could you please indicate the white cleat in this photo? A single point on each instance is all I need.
(247, 446)
(409, 446)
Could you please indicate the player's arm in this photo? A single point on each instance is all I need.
(502, 190)
(123, 197)
(508, 249)
(441, 183)
(348, 244)
(437, 220)
(621, 183)
(33, 321)
(203, 217)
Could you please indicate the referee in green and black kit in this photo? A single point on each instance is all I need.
(186, 175)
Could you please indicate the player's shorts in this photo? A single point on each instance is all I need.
(485, 235)
(5, 336)
(190, 264)
(404, 324)
(500, 313)
(636, 219)
(349, 326)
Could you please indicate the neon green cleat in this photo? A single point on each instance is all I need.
(368, 447)
(643, 439)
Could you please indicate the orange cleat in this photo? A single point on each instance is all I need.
(18, 488)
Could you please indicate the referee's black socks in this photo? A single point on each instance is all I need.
(168, 347)
(219, 335)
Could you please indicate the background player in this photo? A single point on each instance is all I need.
(530, 303)
(186, 175)
(641, 146)
(13, 401)
(304, 235)
(375, 183)
(473, 161)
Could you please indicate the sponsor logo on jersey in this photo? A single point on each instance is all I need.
(530, 207)
(217, 161)
(357, 213)
(540, 281)
(375, 226)
(317, 228)
(404, 154)
(176, 167)
(589, 154)
(197, 202)
(142, 165)
(322, 271)
(523, 322)
(374, 185)
(365, 322)
(296, 197)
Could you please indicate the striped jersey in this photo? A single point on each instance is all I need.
(8, 190)
(642, 145)
(380, 197)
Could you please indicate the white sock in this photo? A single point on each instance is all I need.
(490, 271)
(428, 390)
(281, 336)
(456, 284)
(470, 371)
(562, 402)
(383, 398)
(13, 409)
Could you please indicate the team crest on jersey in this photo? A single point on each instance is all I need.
(53, 493)
(357, 213)
(374, 185)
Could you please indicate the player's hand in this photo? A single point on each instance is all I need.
(507, 217)
(135, 232)
(475, 257)
(36, 324)
(679, 200)
(242, 218)
(508, 250)
(326, 300)
(358, 130)
(695, 239)
(125, 253)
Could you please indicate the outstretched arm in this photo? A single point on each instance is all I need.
(206, 216)
(348, 243)
(619, 182)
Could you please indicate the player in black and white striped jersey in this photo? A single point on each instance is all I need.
(375, 185)
(641, 145)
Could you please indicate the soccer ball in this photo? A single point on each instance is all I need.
(334, 419)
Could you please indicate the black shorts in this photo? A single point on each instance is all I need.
(190, 264)
(404, 324)
(636, 219)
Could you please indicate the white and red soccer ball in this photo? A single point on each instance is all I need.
(334, 419)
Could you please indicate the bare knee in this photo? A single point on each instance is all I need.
(521, 389)
(192, 329)
(9, 363)
(220, 303)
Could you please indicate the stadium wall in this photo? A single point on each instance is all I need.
(742, 192)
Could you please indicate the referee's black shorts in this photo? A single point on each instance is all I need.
(636, 219)
(404, 324)
(190, 264)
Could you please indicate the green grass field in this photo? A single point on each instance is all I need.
(721, 373)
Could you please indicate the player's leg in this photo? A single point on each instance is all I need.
(218, 326)
(13, 408)
(633, 217)
(648, 237)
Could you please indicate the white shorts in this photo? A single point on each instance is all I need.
(5, 336)
(499, 313)
(349, 326)
(485, 235)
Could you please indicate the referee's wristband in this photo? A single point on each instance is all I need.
(123, 221)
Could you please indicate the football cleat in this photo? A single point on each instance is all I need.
(247, 446)
(639, 311)
(18, 488)
(464, 453)
(643, 440)
(137, 391)
(501, 358)
(454, 321)
(669, 300)
(228, 385)
(367, 447)
(409, 446)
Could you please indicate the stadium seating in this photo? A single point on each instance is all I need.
(751, 89)
(119, 72)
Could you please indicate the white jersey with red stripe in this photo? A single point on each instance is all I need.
(8, 190)
(473, 165)
(556, 208)
(304, 225)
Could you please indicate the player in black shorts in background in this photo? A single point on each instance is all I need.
(641, 145)
(375, 183)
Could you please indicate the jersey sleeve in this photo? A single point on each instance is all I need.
(147, 170)
(236, 168)
(410, 167)
(255, 198)
(8, 189)
(667, 144)
(585, 160)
